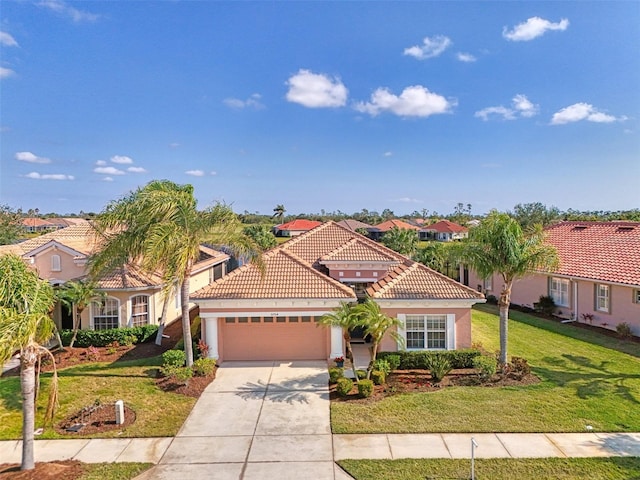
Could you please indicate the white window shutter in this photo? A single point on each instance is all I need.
(402, 331)
(451, 331)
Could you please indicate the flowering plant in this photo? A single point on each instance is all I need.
(338, 359)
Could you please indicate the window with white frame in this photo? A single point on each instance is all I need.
(636, 296)
(106, 314)
(487, 283)
(603, 299)
(559, 291)
(139, 310)
(426, 332)
(55, 263)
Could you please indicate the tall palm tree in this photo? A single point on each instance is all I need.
(403, 241)
(159, 228)
(376, 324)
(499, 246)
(25, 324)
(262, 235)
(344, 317)
(278, 212)
(77, 295)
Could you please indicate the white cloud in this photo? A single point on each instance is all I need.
(414, 101)
(121, 159)
(108, 171)
(101, 163)
(136, 170)
(213, 173)
(388, 154)
(7, 40)
(6, 72)
(62, 8)
(407, 200)
(316, 90)
(520, 106)
(107, 179)
(174, 145)
(49, 176)
(252, 102)
(195, 173)
(534, 27)
(31, 158)
(583, 111)
(465, 57)
(431, 47)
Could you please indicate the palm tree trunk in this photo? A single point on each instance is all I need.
(349, 353)
(76, 327)
(186, 321)
(503, 303)
(27, 383)
(373, 352)
(163, 319)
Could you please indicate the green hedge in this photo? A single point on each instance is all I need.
(102, 338)
(421, 360)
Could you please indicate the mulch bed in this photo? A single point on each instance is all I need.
(420, 381)
(96, 419)
(67, 470)
(193, 388)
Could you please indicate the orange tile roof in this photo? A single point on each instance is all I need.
(445, 226)
(286, 276)
(294, 270)
(606, 251)
(77, 237)
(299, 224)
(389, 224)
(129, 277)
(413, 280)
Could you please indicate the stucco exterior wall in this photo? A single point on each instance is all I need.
(68, 268)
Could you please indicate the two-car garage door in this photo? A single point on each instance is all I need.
(273, 338)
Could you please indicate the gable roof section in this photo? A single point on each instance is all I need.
(356, 250)
(605, 251)
(389, 224)
(77, 237)
(412, 280)
(286, 276)
(299, 224)
(128, 278)
(353, 225)
(445, 226)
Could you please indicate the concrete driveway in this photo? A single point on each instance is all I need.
(257, 420)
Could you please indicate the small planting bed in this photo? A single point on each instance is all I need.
(95, 419)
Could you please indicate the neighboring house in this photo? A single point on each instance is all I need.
(443, 231)
(358, 226)
(598, 276)
(65, 222)
(384, 227)
(250, 316)
(37, 225)
(132, 297)
(294, 228)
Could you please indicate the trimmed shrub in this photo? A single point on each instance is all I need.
(378, 377)
(419, 360)
(382, 365)
(518, 367)
(102, 338)
(203, 367)
(361, 374)
(492, 299)
(173, 358)
(545, 305)
(182, 375)
(365, 388)
(335, 373)
(439, 367)
(344, 386)
(624, 330)
(394, 361)
(486, 366)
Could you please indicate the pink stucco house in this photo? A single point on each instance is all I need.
(247, 316)
(598, 276)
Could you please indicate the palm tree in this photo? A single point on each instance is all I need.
(433, 255)
(159, 228)
(278, 212)
(262, 235)
(403, 241)
(376, 324)
(344, 317)
(77, 295)
(499, 246)
(25, 324)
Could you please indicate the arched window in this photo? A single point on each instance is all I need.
(139, 310)
(55, 263)
(105, 314)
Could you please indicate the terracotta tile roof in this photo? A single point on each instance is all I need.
(353, 225)
(77, 237)
(606, 251)
(286, 276)
(298, 225)
(445, 226)
(412, 280)
(129, 277)
(37, 222)
(362, 251)
(389, 224)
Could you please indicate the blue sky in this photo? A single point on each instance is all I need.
(321, 105)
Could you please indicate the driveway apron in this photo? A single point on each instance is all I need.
(257, 420)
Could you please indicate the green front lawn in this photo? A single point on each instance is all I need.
(496, 469)
(586, 379)
(158, 413)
